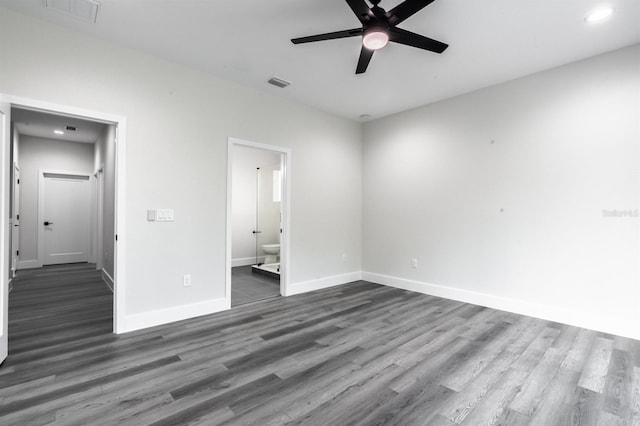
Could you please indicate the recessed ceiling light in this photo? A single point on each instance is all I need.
(58, 132)
(599, 15)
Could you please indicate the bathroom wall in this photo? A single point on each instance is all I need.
(245, 162)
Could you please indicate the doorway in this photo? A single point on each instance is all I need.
(116, 125)
(257, 221)
(64, 211)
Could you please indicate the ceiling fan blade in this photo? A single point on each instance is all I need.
(406, 9)
(408, 38)
(363, 61)
(328, 36)
(361, 9)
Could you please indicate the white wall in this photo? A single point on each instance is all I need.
(49, 154)
(104, 158)
(245, 162)
(178, 122)
(500, 195)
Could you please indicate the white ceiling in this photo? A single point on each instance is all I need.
(491, 41)
(42, 124)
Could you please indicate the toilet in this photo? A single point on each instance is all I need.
(272, 253)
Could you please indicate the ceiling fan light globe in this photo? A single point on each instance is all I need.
(375, 40)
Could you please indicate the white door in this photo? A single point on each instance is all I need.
(15, 215)
(65, 218)
(5, 124)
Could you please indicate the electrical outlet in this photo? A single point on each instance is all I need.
(414, 262)
(345, 257)
(186, 280)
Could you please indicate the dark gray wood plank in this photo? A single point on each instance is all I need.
(354, 354)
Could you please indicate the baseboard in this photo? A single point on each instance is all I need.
(168, 315)
(245, 261)
(320, 283)
(29, 264)
(590, 320)
(108, 280)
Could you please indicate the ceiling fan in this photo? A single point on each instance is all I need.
(379, 28)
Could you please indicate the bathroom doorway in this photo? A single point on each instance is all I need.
(256, 231)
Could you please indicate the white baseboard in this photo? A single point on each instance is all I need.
(108, 280)
(320, 283)
(244, 261)
(178, 313)
(29, 264)
(590, 320)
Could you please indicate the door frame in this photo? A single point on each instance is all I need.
(285, 238)
(5, 164)
(99, 205)
(41, 192)
(14, 232)
(119, 279)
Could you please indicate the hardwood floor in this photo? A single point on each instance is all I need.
(355, 354)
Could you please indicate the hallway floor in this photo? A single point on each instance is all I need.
(54, 305)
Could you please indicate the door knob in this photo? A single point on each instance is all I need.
(48, 223)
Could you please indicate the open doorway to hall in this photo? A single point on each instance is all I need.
(43, 147)
(62, 209)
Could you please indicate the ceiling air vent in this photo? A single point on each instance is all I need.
(278, 82)
(86, 10)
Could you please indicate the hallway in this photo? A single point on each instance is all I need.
(54, 306)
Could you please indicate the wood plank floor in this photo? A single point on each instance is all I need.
(358, 354)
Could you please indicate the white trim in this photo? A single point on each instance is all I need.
(5, 140)
(108, 280)
(51, 107)
(92, 220)
(99, 225)
(168, 315)
(29, 264)
(245, 261)
(14, 230)
(590, 320)
(321, 283)
(285, 238)
(119, 302)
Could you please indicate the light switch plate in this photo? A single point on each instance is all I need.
(164, 215)
(151, 215)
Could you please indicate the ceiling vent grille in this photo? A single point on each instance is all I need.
(86, 10)
(278, 82)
